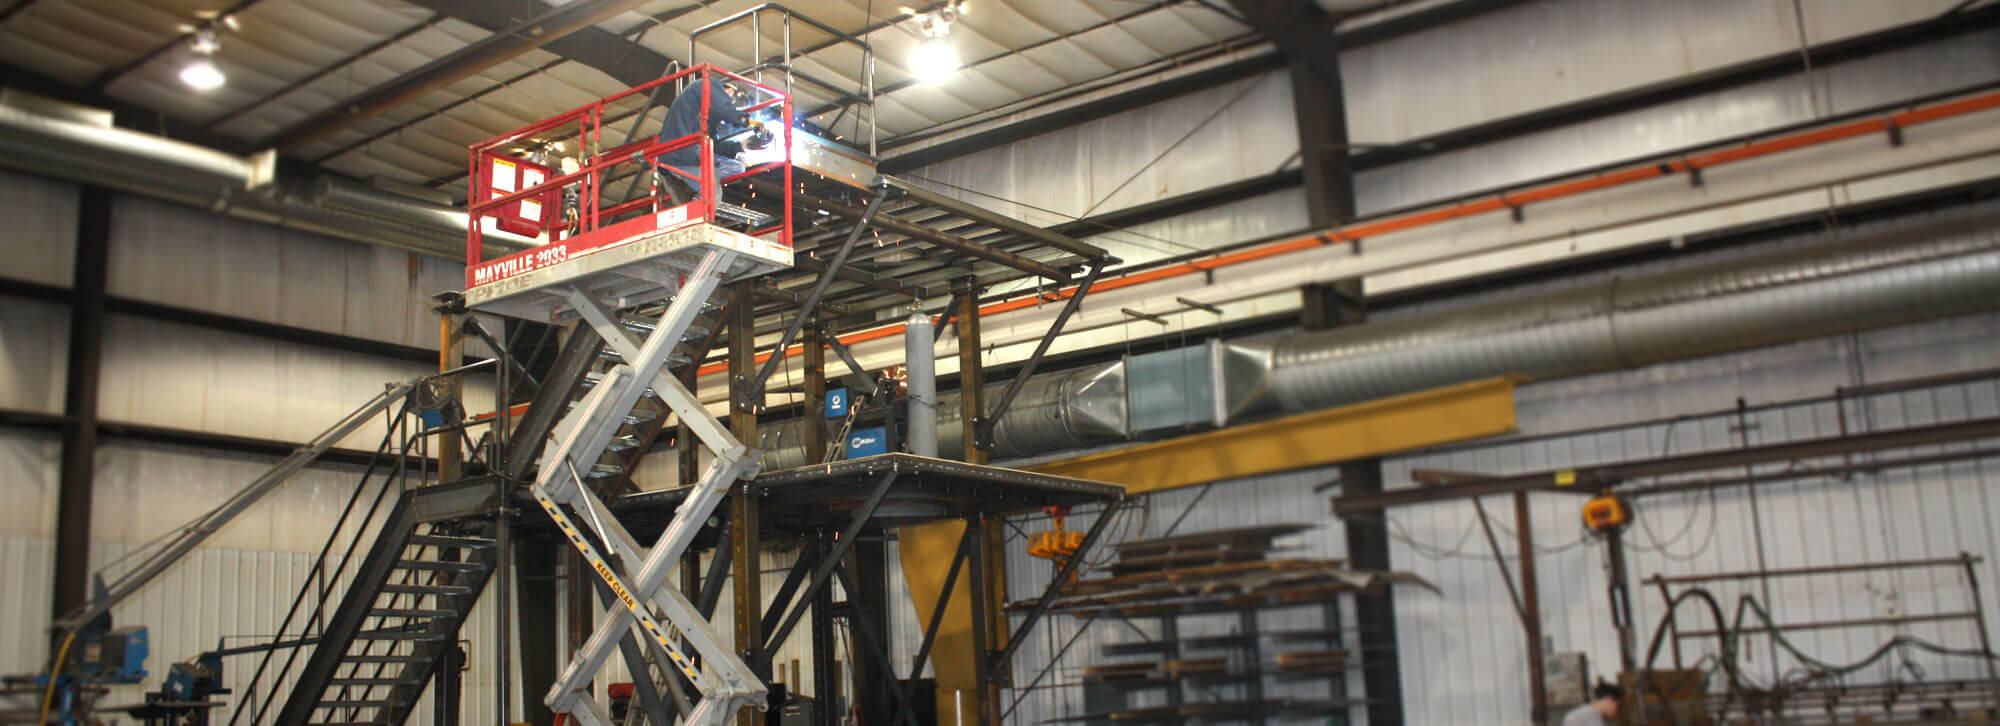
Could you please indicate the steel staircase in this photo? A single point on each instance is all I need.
(403, 609)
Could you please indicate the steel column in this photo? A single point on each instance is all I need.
(451, 354)
(815, 404)
(971, 371)
(876, 695)
(535, 565)
(985, 696)
(1531, 607)
(826, 662)
(1374, 613)
(79, 436)
(745, 541)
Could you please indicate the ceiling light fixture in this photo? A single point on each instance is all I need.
(201, 73)
(935, 59)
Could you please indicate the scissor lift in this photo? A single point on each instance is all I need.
(600, 257)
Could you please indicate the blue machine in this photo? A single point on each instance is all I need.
(114, 656)
(836, 403)
(867, 442)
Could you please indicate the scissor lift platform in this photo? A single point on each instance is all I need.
(631, 263)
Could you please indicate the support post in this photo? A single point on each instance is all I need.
(875, 694)
(744, 523)
(815, 405)
(971, 371)
(451, 354)
(1374, 612)
(1531, 605)
(1305, 34)
(826, 664)
(79, 433)
(535, 566)
(985, 700)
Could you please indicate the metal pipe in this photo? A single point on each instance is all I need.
(245, 187)
(920, 360)
(1905, 273)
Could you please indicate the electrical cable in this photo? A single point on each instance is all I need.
(1811, 670)
(55, 673)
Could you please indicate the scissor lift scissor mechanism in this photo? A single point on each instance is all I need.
(625, 257)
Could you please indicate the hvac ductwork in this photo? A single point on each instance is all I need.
(1054, 411)
(1897, 275)
(52, 139)
(1900, 274)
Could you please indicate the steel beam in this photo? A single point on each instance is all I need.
(1590, 479)
(616, 55)
(946, 240)
(989, 218)
(226, 323)
(518, 38)
(79, 433)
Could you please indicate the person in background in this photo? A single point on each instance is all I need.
(1601, 710)
(725, 116)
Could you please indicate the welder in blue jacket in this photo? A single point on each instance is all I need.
(725, 116)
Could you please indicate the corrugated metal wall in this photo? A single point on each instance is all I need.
(188, 258)
(239, 584)
(1942, 66)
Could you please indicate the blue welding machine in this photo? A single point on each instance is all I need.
(867, 442)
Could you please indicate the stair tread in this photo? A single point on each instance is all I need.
(433, 540)
(371, 681)
(411, 613)
(428, 589)
(352, 703)
(398, 635)
(386, 658)
(440, 565)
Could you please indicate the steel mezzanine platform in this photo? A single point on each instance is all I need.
(805, 499)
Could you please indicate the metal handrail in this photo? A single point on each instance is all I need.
(597, 163)
(319, 568)
(758, 63)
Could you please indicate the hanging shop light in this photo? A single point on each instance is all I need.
(201, 73)
(935, 59)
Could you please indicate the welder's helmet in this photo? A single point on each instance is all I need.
(734, 93)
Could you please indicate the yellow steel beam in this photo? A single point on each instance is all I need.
(1383, 426)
